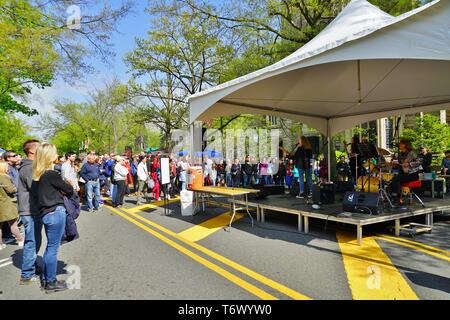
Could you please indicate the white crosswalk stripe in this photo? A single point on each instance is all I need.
(6, 264)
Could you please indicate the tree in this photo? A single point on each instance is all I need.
(430, 133)
(297, 21)
(183, 54)
(38, 44)
(27, 55)
(108, 121)
(13, 133)
(161, 105)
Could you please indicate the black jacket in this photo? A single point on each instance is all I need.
(426, 162)
(49, 191)
(73, 209)
(302, 158)
(247, 167)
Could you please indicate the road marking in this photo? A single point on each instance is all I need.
(209, 227)
(271, 283)
(371, 274)
(429, 252)
(6, 264)
(224, 273)
(3, 260)
(420, 244)
(152, 205)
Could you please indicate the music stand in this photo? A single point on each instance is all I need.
(368, 151)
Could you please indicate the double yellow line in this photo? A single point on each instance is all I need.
(139, 222)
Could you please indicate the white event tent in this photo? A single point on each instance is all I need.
(364, 66)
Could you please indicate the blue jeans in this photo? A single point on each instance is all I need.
(229, 180)
(54, 224)
(308, 173)
(93, 193)
(33, 239)
(247, 179)
(113, 193)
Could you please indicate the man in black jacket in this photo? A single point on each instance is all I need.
(247, 169)
(426, 158)
(29, 213)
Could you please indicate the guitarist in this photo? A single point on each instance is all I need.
(409, 166)
(353, 155)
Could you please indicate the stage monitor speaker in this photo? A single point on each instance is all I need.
(315, 144)
(360, 202)
(268, 190)
(323, 193)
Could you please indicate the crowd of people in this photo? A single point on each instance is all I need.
(44, 190)
(296, 169)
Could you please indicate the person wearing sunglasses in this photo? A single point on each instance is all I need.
(13, 161)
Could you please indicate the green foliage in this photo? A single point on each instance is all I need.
(108, 122)
(430, 133)
(36, 45)
(27, 55)
(12, 132)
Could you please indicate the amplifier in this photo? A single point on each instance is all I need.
(360, 202)
(323, 194)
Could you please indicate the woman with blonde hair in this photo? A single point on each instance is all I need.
(49, 189)
(8, 210)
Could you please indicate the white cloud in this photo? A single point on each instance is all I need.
(43, 100)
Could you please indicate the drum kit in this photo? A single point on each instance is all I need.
(379, 176)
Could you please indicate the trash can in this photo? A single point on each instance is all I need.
(195, 177)
(187, 203)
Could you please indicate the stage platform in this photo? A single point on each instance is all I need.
(334, 212)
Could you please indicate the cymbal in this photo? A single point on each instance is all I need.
(384, 152)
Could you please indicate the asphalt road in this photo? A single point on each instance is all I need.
(132, 254)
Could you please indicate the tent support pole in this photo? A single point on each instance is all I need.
(191, 142)
(329, 150)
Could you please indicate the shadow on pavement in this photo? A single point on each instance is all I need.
(428, 280)
(17, 262)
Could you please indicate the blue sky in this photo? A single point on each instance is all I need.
(134, 25)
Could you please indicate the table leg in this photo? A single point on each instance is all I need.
(263, 218)
(429, 219)
(300, 223)
(233, 205)
(306, 224)
(248, 211)
(203, 202)
(258, 217)
(359, 234)
(397, 227)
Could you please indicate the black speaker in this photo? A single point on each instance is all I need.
(315, 144)
(360, 202)
(323, 193)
